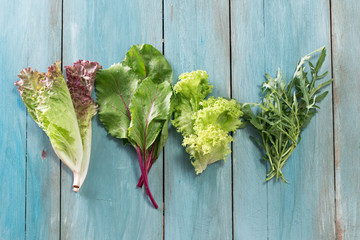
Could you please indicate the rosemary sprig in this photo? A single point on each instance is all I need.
(285, 110)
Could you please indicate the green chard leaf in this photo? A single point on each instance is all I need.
(149, 109)
(116, 85)
(135, 99)
(115, 88)
(147, 61)
(285, 110)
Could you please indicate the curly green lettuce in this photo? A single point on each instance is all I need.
(205, 124)
(192, 88)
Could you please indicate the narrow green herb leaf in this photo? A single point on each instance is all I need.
(285, 110)
(321, 96)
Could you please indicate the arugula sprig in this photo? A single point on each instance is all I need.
(285, 110)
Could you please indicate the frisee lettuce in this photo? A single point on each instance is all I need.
(63, 110)
(204, 124)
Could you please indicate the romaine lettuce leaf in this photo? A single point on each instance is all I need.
(63, 110)
(49, 102)
(80, 82)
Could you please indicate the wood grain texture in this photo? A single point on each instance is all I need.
(109, 206)
(197, 37)
(346, 36)
(248, 64)
(43, 169)
(22, 29)
(36, 197)
(13, 58)
(304, 208)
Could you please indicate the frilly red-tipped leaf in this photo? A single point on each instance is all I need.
(83, 71)
(63, 110)
(80, 82)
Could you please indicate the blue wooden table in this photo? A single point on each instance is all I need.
(235, 41)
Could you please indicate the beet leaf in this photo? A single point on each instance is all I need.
(135, 99)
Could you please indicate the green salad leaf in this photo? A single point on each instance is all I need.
(149, 111)
(192, 88)
(80, 81)
(285, 110)
(63, 110)
(115, 88)
(204, 124)
(135, 99)
(146, 61)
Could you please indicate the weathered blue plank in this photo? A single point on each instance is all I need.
(197, 37)
(13, 58)
(346, 36)
(23, 28)
(43, 168)
(265, 35)
(304, 208)
(109, 206)
(248, 64)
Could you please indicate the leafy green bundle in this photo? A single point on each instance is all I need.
(285, 110)
(64, 111)
(204, 124)
(135, 99)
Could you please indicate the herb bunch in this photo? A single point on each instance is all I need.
(285, 110)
